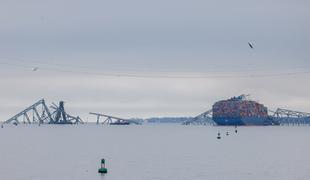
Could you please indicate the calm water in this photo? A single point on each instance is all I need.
(154, 152)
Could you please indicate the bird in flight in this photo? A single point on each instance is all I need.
(35, 68)
(251, 45)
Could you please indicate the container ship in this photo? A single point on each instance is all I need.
(238, 111)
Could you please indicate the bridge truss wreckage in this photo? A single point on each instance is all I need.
(39, 113)
(111, 120)
(202, 119)
(289, 117)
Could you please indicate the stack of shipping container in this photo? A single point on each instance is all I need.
(239, 107)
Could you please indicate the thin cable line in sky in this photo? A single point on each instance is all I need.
(163, 76)
(138, 70)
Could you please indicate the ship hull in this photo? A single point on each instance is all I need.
(242, 121)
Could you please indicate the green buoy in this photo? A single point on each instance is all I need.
(102, 169)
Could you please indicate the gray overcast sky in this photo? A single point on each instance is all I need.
(70, 39)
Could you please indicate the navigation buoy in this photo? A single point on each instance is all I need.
(102, 169)
(218, 135)
(236, 131)
(227, 133)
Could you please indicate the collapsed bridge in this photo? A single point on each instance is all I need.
(112, 120)
(289, 117)
(279, 117)
(39, 113)
(241, 111)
